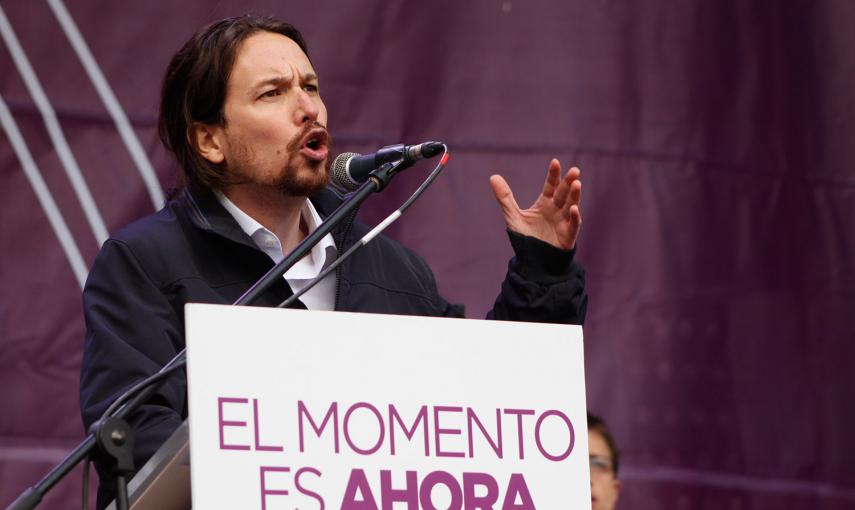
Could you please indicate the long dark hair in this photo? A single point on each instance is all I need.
(194, 90)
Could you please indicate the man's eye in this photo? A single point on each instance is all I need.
(310, 88)
(270, 93)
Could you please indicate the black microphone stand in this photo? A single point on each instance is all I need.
(114, 437)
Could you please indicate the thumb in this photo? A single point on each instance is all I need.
(504, 195)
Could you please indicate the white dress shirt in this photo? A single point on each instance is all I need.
(322, 295)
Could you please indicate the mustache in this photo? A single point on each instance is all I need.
(296, 141)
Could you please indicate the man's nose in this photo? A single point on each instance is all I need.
(307, 109)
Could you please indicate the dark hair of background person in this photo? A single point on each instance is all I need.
(194, 90)
(597, 424)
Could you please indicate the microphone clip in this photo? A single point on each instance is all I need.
(384, 174)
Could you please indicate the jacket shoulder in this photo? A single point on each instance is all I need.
(148, 244)
(162, 225)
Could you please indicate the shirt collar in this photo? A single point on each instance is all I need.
(308, 267)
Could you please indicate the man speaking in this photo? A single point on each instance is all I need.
(241, 109)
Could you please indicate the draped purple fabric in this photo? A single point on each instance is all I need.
(717, 148)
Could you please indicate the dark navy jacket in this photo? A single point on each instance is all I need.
(194, 251)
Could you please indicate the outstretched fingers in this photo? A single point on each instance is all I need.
(573, 212)
(563, 193)
(553, 178)
(574, 199)
(504, 196)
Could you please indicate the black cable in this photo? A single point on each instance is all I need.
(164, 372)
(85, 495)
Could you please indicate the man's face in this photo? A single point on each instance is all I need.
(275, 132)
(604, 486)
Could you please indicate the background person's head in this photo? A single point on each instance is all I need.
(604, 459)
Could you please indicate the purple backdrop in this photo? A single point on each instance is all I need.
(717, 144)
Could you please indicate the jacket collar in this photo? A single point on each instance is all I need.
(207, 213)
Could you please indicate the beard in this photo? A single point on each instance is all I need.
(292, 181)
(297, 176)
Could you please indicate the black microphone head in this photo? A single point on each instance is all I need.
(423, 150)
(431, 149)
(340, 175)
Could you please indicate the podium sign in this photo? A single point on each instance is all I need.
(330, 410)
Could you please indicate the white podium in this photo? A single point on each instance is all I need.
(304, 409)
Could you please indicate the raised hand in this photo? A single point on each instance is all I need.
(554, 217)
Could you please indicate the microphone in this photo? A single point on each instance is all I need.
(350, 170)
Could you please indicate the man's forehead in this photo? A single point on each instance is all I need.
(267, 54)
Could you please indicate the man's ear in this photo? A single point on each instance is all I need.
(207, 138)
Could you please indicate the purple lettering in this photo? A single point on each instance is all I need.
(223, 423)
(421, 417)
(258, 445)
(381, 435)
(497, 445)
(303, 490)
(432, 480)
(555, 458)
(263, 470)
(358, 482)
(519, 414)
(517, 488)
(331, 412)
(485, 502)
(409, 495)
(439, 431)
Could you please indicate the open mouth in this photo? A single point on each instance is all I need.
(313, 144)
(316, 145)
